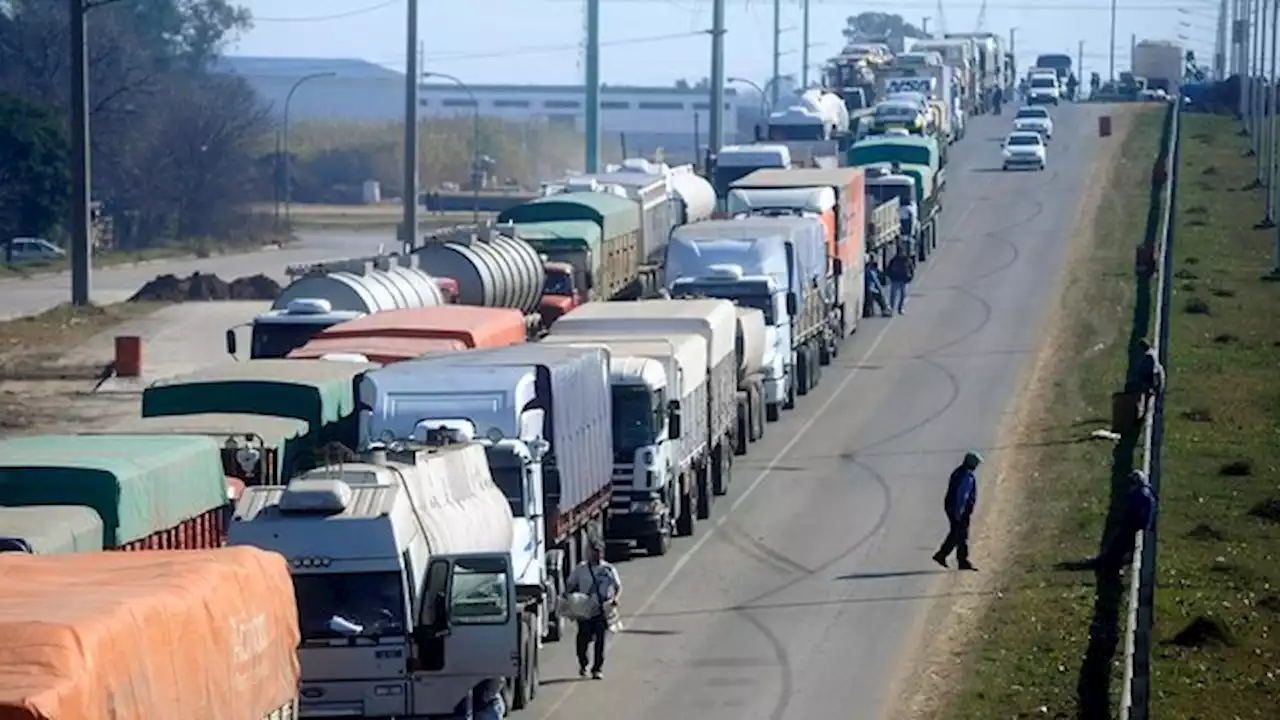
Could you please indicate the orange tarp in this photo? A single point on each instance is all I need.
(382, 350)
(187, 634)
(478, 327)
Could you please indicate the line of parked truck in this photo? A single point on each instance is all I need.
(431, 439)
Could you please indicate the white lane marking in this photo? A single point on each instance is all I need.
(680, 564)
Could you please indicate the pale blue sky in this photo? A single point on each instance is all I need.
(656, 41)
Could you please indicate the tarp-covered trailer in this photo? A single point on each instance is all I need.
(320, 392)
(258, 449)
(204, 635)
(50, 529)
(152, 492)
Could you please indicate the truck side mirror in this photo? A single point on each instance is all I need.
(231, 342)
(793, 304)
(673, 419)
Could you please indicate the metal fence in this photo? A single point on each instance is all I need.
(1136, 690)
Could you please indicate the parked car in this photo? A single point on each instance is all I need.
(21, 250)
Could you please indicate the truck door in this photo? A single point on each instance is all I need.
(468, 624)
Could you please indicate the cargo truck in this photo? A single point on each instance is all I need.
(516, 399)
(715, 321)
(838, 198)
(605, 246)
(934, 80)
(659, 432)
(961, 55)
(83, 634)
(397, 335)
(917, 184)
(752, 344)
(321, 393)
(734, 162)
(410, 577)
(150, 492)
(320, 298)
(50, 529)
(776, 266)
(256, 449)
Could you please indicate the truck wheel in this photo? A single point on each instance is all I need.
(803, 367)
(720, 474)
(704, 492)
(657, 545)
(790, 402)
(757, 413)
(686, 523)
(815, 374)
(772, 412)
(824, 352)
(522, 694)
(743, 435)
(923, 249)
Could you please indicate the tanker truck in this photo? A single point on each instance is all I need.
(416, 590)
(691, 196)
(544, 414)
(326, 294)
(815, 128)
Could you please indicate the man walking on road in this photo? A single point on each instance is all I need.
(599, 581)
(874, 279)
(962, 495)
(901, 271)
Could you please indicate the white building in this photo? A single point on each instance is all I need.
(643, 118)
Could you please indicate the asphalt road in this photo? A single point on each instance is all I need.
(800, 598)
(29, 296)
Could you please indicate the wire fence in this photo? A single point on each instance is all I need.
(1136, 689)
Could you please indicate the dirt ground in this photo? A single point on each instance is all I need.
(952, 623)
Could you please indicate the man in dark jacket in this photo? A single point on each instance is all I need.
(962, 496)
(1150, 371)
(1139, 515)
(874, 280)
(901, 271)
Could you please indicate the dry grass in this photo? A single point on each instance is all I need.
(1219, 534)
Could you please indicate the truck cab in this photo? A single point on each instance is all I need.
(275, 333)
(735, 162)
(884, 186)
(399, 615)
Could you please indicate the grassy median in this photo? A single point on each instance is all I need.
(1027, 660)
(1217, 634)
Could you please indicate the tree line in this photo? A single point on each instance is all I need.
(171, 140)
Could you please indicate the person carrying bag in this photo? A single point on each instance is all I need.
(591, 598)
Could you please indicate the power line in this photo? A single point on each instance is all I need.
(556, 49)
(925, 5)
(333, 16)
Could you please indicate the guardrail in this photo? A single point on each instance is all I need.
(1136, 690)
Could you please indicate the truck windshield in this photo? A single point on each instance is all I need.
(371, 601)
(276, 340)
(1043, 82)
(752, 297)
(637, 419)
(904, 194)
(796, 133)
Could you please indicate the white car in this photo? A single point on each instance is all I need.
(1033, 118)
(1044, 90)
(1024, 149)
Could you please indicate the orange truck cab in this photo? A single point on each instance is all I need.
(836, 195)
(403, 334)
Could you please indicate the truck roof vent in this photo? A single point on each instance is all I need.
(309, 306)
(315, 497)
(725, 271)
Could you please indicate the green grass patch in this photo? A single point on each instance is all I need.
(1027, 661)
(1217, 632)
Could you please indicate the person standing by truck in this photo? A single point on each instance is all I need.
(901, 271)
(599, 581)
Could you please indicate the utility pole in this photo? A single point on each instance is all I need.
(81, 171)
(715, 135)
(924, 25)
(777, 52)
(1242, 59)
(1111, 51)
(1269, 107)
(409, 223)
(804, 52)
(593, 87)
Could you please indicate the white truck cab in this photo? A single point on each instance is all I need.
(735, 162)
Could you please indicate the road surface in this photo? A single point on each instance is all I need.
(29, 296)
(803, 599)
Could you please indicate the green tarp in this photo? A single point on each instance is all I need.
(287, 436)
(319, 392)
(138, 485)
(53, 529)
(573, 234)
(615, 216)
(886, 149)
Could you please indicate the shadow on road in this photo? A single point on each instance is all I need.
(890, 574)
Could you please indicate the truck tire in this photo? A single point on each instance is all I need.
(686, 522)
(825, 352)
(742, 436)
(790, 402)
(704, 499)
(772, 412)
(757, 411)
(522, 693)
(922, 246)
(721, 472)
(657, 545)
(804, 366)
(815, 376)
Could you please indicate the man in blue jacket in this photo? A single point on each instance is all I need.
(1139, 515)
(962, 495)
